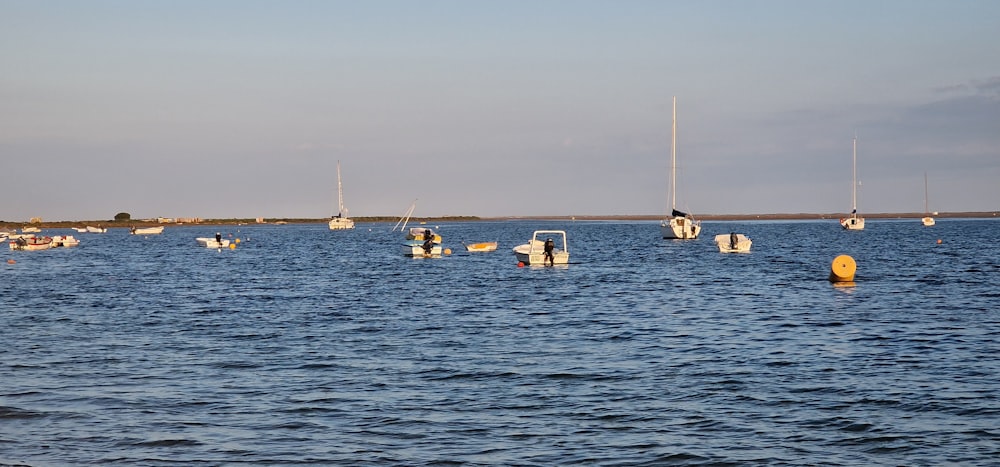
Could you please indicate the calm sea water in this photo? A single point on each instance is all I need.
(306, 346)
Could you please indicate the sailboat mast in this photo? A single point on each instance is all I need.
(854, 179)
(926, 210)
(673, 161)
(340, 193)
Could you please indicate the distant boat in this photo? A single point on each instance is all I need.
(64, 241)
(97, 229)
(80, 229)
(533, 252)
(927, 219)
(210, 242)
(480, 246)
(854, 221)
(146, 230)
(30, 230)
(422, 242)
(681, 225)
(31, 243)
(733, 243)
(340, 221)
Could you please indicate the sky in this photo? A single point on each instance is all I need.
(242, 109)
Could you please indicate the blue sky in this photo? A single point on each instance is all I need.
(224, 109)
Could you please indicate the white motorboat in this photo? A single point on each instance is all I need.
(80, 229)
(64, 241)
(534, 252)
(97, 229)
(422, 242)
(30, 243)
(927, 220)
(340, 221)
(854, 221)
(25, 230)
(680, 225)
(213, 242)
(146, 230)
(733, 243)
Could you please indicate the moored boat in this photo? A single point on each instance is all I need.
(98, 229)
(422, 242)
(64, 241)
(541, 252)
(146, 230)
(480, 246)
(31, 243)
(213, 242)
(733, 243)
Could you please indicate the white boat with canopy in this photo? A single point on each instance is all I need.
(544, 252)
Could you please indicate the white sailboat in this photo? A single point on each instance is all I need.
(681, 225)
(340, 221)
(927, 220)
(854, 221)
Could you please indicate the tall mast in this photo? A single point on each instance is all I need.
(926, 210)
(673, 162)
(854, 179)
(340, 193)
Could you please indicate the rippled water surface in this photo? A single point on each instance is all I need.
(306, 346)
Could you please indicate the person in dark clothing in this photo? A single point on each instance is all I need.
(218, 238)
(733, 240)
(550, 246)
(428, 241)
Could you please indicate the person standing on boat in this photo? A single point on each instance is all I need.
(218, 238)
(428, 241)
(733, 240)
(550, 246)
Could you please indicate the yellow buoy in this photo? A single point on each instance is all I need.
(237, 240)
(232, 246)
(447, 251)
(842, 269)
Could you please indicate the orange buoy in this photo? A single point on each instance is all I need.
(447, 251)
(939, 241)
(842, 269)
(520, 264)
(10, 261)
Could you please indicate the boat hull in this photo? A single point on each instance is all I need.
(64, 241)
(209, 242)
(31, 243)
(148, 231)
(927, 221)
(533, 252)
(96, 229)
(680, 228)
(416, 249)
(481, 246)
(853, 223)
(727, 245)
(340, 223)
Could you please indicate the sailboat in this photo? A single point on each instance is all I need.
(927, 219)
(682, 225)
(854, 221)
(340, 221)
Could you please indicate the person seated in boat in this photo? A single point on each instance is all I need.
(733, 240)
(428, 241)
(549, 247)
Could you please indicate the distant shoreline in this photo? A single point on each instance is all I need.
(614, 217)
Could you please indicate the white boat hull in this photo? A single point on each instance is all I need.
(533, 252)
(680, 228)
(416, 249)
(340, 223)
(927, 221)
(96, 229)
(728, 244)
(148, 231)
(209, 242)
(31, 243)
(853, 223)
(481, 246)
(64, 241)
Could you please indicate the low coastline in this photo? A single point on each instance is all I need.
(612, 217)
